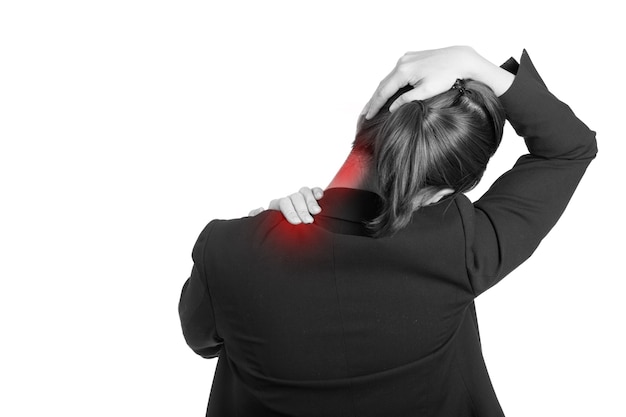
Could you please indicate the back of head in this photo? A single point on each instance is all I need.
(427, 145)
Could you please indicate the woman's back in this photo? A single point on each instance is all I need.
(327, 316)
(325, 320)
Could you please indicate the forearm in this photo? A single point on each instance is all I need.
(509, 221)
(549, 126)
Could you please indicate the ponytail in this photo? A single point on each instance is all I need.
(441, 142)
(400, 176)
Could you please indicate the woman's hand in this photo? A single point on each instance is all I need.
(434, 71)
(297, 207)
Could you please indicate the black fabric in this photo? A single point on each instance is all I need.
(323, 320)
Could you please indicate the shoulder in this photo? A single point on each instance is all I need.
(266, 218)
(468, 216)
(220, 231)
(464, 207)
(442, 224)
(451, 211)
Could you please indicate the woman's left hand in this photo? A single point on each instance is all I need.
(298, 207)
(430, 72)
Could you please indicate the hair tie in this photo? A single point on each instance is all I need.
(459, 84)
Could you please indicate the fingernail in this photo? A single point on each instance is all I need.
(315, 210)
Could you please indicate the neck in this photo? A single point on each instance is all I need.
(356, 172)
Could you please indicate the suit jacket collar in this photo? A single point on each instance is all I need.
(350, 204)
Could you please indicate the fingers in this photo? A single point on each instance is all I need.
(429, 72)
(294, 209)
(256, 211)
(286, 207)
(310, 199)
(364, 111)
(387, 88)
(301, 201)
(415, 94)
(298, 207)
(318, 193)
(423, 90)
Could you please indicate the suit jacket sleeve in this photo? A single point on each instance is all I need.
(505, 226)
(195, 307)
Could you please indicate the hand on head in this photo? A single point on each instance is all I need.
(430, 73)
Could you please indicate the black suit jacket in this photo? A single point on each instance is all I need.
(323, 320)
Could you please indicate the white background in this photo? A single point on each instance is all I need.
(127, 125)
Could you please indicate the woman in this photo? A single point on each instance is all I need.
(369, 311)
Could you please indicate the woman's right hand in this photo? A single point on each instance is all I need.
(298, 207)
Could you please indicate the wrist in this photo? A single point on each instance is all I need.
(498, 79)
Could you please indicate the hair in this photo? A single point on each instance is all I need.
(426, 145)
